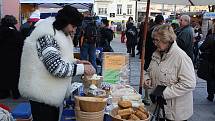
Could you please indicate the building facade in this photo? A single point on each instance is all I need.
(115, 10)
(10, 7)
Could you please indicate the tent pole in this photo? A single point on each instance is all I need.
(145, 25)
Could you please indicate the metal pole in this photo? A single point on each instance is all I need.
(136, 13)
(1, 8)
(163, 9)
(175, 11)
(143, 49)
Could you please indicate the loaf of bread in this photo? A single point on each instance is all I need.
(118, 117)
(125, 104)
(141, 108)
(133, 117)
(125, 112)
(141, 115)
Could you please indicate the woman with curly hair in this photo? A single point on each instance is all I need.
(11, 47)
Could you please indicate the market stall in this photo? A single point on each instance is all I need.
(51, 7)
(107, 97)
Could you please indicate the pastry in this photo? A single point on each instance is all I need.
(118, 117)
(133, 117)
(125, 113)
(141, 115)
(125, 104)
(141, 108)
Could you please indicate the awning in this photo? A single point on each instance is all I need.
(184, 2)
(209, 15)
(56, 1)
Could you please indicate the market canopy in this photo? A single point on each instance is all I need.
(183, 2)
(56, 1)
(79, 4)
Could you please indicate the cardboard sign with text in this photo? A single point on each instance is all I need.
(116, 67)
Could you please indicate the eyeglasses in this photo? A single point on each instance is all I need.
(156, 41)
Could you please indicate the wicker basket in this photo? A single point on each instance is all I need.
(91, 104)
(89, 116)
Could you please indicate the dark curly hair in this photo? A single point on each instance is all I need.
(67, 15)
(8, 20)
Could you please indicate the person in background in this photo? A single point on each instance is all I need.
(28, 26)
(48, 64)
(172, 70)
(130, 19)
(89, 38)
(131, 35)
(185, 36)
(141, 37)
(106, 36)
(113, 28)
(208, 47)
(150, 47)
(11, 48)
(175, 26)
(123, 25)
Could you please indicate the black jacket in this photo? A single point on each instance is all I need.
(131, 34)
(106, 36)
(185, 40)
(11, 48)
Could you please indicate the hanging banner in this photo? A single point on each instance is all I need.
(56, 1)
(209, 15)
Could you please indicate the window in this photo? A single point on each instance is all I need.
(102, 10)
(129, 9)
(119, 9)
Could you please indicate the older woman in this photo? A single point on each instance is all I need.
(172, 68)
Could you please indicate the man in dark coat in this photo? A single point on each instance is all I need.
(208, 47)
(11, 48)
(150, 47)
(106, 36)
(131, 34)
(185, 36)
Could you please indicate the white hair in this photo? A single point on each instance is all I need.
(186, 18)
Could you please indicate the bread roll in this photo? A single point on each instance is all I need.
(142, 109)
(133, 117)
(118, 117)
(125, 113)
(141, 115)
(125, 104)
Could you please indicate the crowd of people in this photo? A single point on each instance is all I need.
(38, 60)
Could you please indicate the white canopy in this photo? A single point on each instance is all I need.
(56, 1)
(184, 2)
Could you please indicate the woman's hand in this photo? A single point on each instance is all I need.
(148, 83)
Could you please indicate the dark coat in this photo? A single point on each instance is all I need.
(131, 36)
(185, 40)
(149, 48)
(106, 37)
(11, 48)
(208, 47)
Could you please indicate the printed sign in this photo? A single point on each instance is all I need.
(115, 67)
